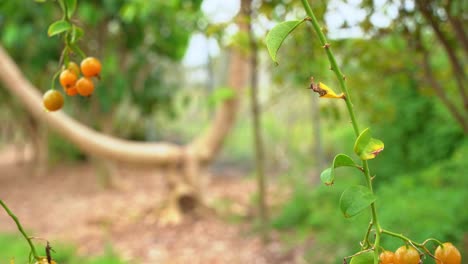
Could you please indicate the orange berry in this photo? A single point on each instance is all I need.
(72, 66)
(72, 91)
(407, 255)
(68, 78)
(387, 257)
(52, 100)
(85, 86)
(447, 255)
(90, 67)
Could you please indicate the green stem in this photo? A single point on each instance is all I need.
(341, 79)
(365, 242)
(334, 65)
(409, 241)
(20, 228)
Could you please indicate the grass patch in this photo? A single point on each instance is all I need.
(15, 247)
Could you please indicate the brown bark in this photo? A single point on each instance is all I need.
(212, 139)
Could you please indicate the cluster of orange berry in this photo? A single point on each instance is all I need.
(72, 83)
(445, 254)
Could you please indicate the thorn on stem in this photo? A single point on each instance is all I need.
(344, 77)
(326, 46)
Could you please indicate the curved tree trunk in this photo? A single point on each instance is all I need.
(187, 160)
(99, 144)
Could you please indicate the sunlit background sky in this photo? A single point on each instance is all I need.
(219, 11)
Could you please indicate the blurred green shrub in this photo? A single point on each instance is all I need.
(417, 131)
(425, 203)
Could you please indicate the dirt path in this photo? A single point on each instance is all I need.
(68, 204)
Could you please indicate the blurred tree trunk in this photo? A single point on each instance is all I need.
(256, 124)
(202, 150)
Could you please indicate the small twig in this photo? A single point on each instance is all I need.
(20, 228)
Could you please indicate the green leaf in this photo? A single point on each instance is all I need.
(367, 147)
(340, 160)
(58, 27)
(364, 258)
(355, 199)
(77, 33)
(71, 7)
(328, 176)
(277, 34)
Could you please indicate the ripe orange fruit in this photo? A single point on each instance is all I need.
(68, 78)
(91, 67)
(85, 86)
(72, 91)
(447, 255)
(52, 100)
(387, 257)
(72, 66)
(407, 255)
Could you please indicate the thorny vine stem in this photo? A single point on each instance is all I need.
(341, 79)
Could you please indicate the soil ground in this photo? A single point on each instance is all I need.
(69, 203)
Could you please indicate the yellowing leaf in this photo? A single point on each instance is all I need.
(329, 92)
(367, 147)
(325, 91)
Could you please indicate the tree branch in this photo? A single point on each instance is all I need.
(439, 90)
(457, 67)
(95, 143)
(457, 25)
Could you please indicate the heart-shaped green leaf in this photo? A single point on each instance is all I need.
(58, 27)
(364, 258)
(367, 147)
(340, 160)
(277, 34)
(355, 199)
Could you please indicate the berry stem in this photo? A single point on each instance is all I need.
(408, 240)
(365, 242)
(341, 79)
(20, 228)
